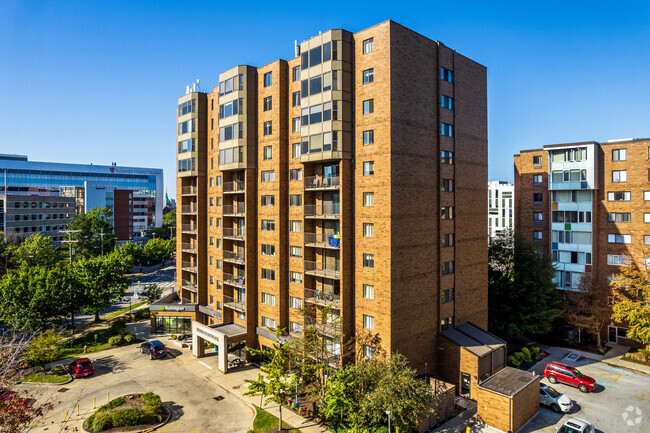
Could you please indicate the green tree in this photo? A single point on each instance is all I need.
(96, 232)
(277, 385)
(44, 348)
(159, 249)
(5, 253)
(31, 297)
(136, 252)
(339, 399)
(36, 250)
(169, 219)
(102, 280)
(151, 292)
(522, 298)
(632, 302)
(588, 308)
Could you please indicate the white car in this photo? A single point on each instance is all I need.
(576, 425)
(557, 401)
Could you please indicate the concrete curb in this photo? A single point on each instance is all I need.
(156, 427)
(629, 367)
(50, 384)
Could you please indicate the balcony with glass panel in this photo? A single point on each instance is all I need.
(189, 209)
(189, 285)
(188, 228)
(188, 247)
(188, 266)
(189, 190)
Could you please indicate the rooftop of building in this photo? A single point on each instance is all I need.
(508, 381)
(22, 162)
(584, 143)
(473, 338)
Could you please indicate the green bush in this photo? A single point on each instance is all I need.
(534, 351)
(645, 352)
(629, 355)
(514, 361)
(127, 417)
(103, 421)
(116, 340)
(129, 338)
(149, 414)
(113, 403)
(152, 400)
(526, 353)
(118, 326)
(89, 422)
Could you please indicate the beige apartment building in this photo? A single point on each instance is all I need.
(351, 178)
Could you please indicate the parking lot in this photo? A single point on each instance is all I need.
(620, 403)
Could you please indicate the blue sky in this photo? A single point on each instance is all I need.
(89, 81)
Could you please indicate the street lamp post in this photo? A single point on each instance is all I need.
(388, 413)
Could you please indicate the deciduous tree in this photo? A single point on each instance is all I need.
(96, 232)
(631, 292)
(151, 292)
(44, 348)
(588, 308)
(36, 250)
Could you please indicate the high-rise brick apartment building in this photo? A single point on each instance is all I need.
(352, 176)
(588, 205)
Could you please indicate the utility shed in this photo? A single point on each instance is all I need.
(507, 400)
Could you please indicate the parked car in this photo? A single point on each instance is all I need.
(6, 394)
(154, 348)
(556, 372)
(557, 401)
(81, 367)
(576, 425)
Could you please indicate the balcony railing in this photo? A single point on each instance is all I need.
(323, 211)
(189, 285)
(329, 329)
(234, 210)
(234, 303)
(235, 187)
(323, 299)
(188, 190)
(322, 270)
(321, 182)
(189, 208)
(188, 247)
(188, 228)
(234, 257)
(322, 241)
(234, 280)
(188, 266)
(230, 233)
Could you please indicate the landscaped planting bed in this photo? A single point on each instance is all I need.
(130, 412)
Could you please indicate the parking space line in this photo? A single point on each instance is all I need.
(205, 365)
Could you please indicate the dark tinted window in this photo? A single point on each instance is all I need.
(304, 60)
(327, 51)
(315, 56)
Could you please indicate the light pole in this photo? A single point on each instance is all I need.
(388, 413)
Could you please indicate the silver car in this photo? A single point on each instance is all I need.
(576, 425)
(557, 401)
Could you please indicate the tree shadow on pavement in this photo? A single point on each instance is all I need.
(175, 409)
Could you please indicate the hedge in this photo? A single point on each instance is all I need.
(127, 417)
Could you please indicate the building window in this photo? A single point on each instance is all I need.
(447, 157)
(211, 240)
(537, 198)
(368, 106)
(368, 291)
(268, 274)
(646, 240)
(295, 302)
(295, 124)
(447, 268)
(211, 221)
(219, 264)
(447, 213)
(446, 102)
(295, 174)
(268, 176)
(447, 295)
(619, 175)
(211, 201)
(368, 76)
(368, 230)
(268, 323)
(537, 179)
(447, 185)
(268, 128)
(618, 260)
(268, 225)
(614, 238)
(446, 75)
(537, 161)
(218, 201)
(295, 150)
(268, 200)
(619, 154)
(620, 217)
(268, 103)
(218, 222)
(646, 195)
(537, 216)
(620, 196)
(295, 328)
(268, 250)
(295, 277)
(537, 235)
(446, 129)
(295, 200)
(211, 282)
(368, 260)
(368, 137)
(295, 99)
(368, 322)
(295, 252)
(368, 168)
(268, 299)
(448, 240)
(219, 241)
(646, 217)
(368, 45)
(268, 79)
(268, 152)
(219, 285)
(368, 199)
(295, 226)
(447, 323)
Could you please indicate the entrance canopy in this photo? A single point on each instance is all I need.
(220, 335)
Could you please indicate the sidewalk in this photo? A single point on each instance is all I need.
(612, 357)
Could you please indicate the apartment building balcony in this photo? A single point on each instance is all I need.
(320, 240)
(324, 211)
(188, 228)
(189, 209)
(234, 280)
(189, 285)
(238, 210)
(322, 270)
(318, 297)
(329, 329)
(188, 266)
(234, 234)
(233, 257)
(189, 190)
(234, 304)
(235, 187)
(321, 183)
(188, 247)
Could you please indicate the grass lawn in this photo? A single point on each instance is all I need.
(55, 375)
(77, 347)
(123, 310)
(265, 422)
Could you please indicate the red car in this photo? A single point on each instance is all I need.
(6, 394)
(556, 372)
(81, 367)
